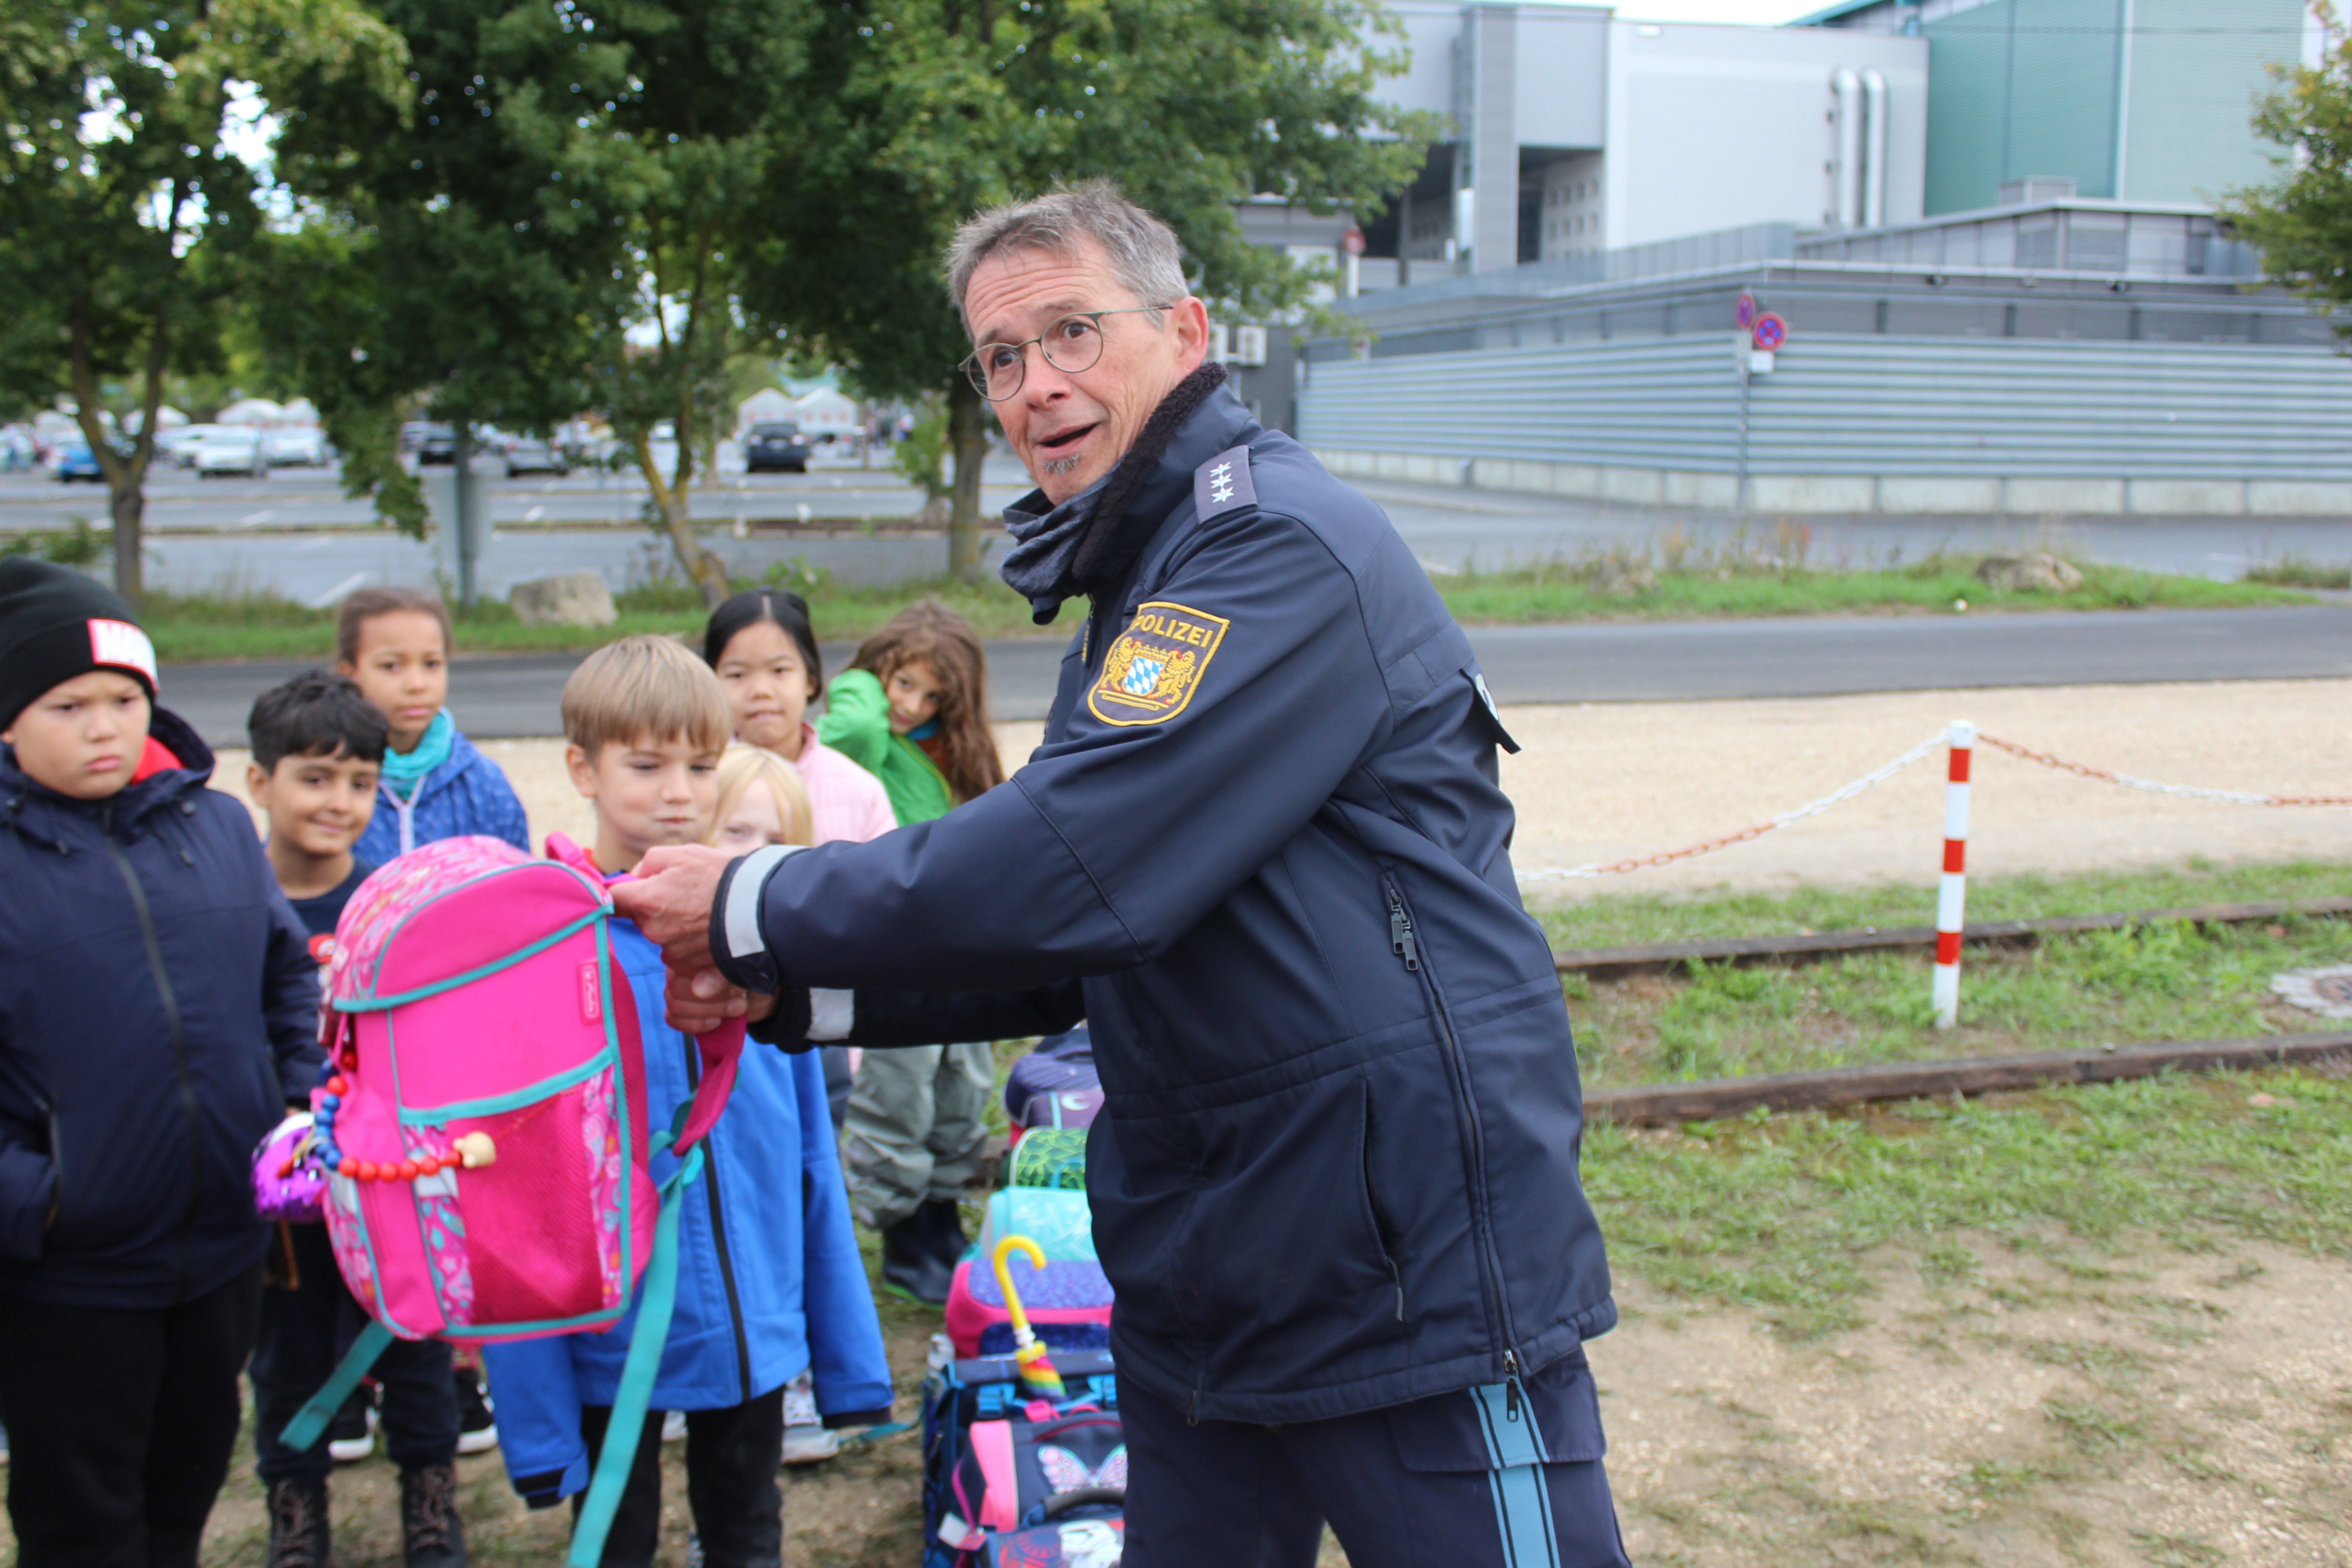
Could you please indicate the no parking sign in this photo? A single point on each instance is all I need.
(1769, 332)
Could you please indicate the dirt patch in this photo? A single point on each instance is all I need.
(861, 1509)
(1999, 1404)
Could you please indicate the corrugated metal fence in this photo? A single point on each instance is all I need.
(1857, 405)
(1659, 402)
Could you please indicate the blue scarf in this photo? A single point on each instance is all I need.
(403, 771)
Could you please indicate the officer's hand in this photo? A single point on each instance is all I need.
(696, 1001)
(670, 902)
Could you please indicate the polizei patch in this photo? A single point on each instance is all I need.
(1152, 670)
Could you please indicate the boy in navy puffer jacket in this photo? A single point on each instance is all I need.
(158, 1012)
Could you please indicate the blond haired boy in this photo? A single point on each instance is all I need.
(767, 1289)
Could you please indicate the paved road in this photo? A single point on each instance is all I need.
(1646, 660)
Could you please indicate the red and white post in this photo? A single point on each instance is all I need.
(1952, 892)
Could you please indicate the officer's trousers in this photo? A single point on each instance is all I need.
(1243, 1496)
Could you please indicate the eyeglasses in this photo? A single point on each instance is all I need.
(1071, 345)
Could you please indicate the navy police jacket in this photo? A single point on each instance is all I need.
(1263, 852)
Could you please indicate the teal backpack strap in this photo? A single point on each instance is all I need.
(312, 1418)
(637, 1372)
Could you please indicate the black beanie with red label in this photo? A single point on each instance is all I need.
(56, 622)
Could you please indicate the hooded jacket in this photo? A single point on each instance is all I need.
(769, 1275)
(159, 1010)
(467, 794)
(856, 723)
(1263, 851)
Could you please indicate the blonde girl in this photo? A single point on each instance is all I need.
(761, 800)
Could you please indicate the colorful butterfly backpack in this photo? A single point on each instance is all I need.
(481, 1126)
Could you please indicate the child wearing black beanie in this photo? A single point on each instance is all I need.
(158, 1013)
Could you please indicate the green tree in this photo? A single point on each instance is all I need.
(556, 229)
(706, 109)
(126, 217)
(2302, 221)
(456, 256)
(943, 107)
(922, 458)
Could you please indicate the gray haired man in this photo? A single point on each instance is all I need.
(1263, 851)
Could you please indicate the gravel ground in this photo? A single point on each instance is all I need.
(1604, 782)
(1601, 783)
(2044, 1410)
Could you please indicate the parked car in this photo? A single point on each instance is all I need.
(432, 441)
(233, 449)
(776, 444)
(294, 444)
(183, 443)
(535, 455)
(77, 461)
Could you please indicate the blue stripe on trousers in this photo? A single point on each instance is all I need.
(1522, 1500)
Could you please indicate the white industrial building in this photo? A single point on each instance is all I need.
(1574, 132)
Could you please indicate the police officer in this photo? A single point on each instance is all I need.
(1263, 851)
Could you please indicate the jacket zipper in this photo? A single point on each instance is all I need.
(179, 1037)
(57, 1160)
(1371, 1200)
(1403, 941)
(719, 1236)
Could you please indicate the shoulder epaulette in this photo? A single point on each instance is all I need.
(1223, 484)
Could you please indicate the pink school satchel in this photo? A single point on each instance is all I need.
(481, 1125)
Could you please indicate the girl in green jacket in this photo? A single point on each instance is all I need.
(912, 709)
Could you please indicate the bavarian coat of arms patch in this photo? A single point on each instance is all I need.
(1149, 673)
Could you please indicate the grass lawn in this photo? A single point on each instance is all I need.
(1778, 1212)
(2170, 981)
(1783, 1214)
(188, 627)
(1683, 585)
(1598, 588)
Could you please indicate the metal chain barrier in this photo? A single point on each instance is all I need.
(1811, 808)
(2227, 796)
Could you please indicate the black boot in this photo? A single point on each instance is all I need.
(910, 1262)
(430, 1533)
(944, 1216)
(297, 1524)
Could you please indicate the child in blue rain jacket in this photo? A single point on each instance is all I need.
(395, 643)
(770, 1280)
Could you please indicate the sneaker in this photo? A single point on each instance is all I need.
(911, 1265)
(477, 1432)
(806, 1440)
(297, 1524)
(351, 1435)
(674, 1426)
(810, 1445)
(431, 1536)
